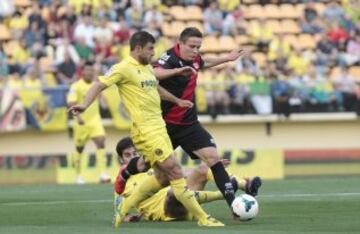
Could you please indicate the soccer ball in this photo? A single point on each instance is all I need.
(245, 206)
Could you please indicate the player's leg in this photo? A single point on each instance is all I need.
(81, 136)
(101, 161)
(182, 193)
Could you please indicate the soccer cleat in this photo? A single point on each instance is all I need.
(210, 222)
(252, 186)
(117, 219)
(104, 178)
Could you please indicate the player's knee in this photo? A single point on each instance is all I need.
(202, 170)
(211, 159)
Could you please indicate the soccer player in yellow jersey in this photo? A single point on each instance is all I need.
(138, 88)
(163, 206)
(88, 125)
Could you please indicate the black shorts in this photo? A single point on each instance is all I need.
(190, 138)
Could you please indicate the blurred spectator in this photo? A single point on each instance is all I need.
(34, 34)
(102, 32)
(239, 90)
(18, 23)
(6, 8)
(84, 51)
(333, 13)
(338, 35)
(154, 17)
(352, 55)
(346, 85)
(70, 16)
(260, 96)
(134, 15)
(19, 60)
(213, 19)
(279, 48)
(66, 70)
(66, 46)
(228, 6)
(85, 29)
(4, 67)
(281, 93)
(233, 23)
(298, 63)
(261, 35)
(35, 16)
(310, 23)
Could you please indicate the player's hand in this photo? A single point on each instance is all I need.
(225, 162)
(236, 53)
(80, 121)
(76, 109)
(133, 218)
(186, 71)
(184, 103)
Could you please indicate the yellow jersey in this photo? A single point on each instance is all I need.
(77, 94)
(137, 86)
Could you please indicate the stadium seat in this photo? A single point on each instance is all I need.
(306, 41)
(274, 25)
(46, 64)
(254, 11)
(210, 44)
(10, 46)
(289, 26)
(178, 13)
(196, 24)
(177, 27)
(22, 3)
(4, 33)
(335, 71)
(291, 39)
(355, 72)
(194, 13)
(289, 11)
(242, 39)
(320, 7)
(227, 43)
(260, 58)
(271, 11)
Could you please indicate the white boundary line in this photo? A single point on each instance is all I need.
(303, 195)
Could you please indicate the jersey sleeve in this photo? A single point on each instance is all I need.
(113, 76)
(164, 61)
(72, 95)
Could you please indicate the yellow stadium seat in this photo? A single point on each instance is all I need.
(289, 26)
(271, 11)
(227, 43)
(355, 72)
(194, 13)
(22, 3)
(291, 39)
(177, 27)
(274, 25)
(196, 24)
(260, 58)
(166, 29)
(289, 11)
(4, 33)
(241, 40)
(254, 11)
(306, 41)
(210, 44)
(178, 13)
(320, 7)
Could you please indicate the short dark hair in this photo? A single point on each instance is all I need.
(141, 38)
(190, 32)
(123, 144)
(88, 63)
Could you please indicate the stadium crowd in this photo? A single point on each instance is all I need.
(45, 44)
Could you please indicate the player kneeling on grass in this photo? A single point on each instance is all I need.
(163, 206)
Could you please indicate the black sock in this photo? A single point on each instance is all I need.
(222, 181)
(131, 169)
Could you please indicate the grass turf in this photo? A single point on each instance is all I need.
(299, 205)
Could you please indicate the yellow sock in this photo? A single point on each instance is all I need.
(100, 160)
(210, 176)
(77, 162)
(148, 187)
(208, 196)
(187, 198)
(241, 183)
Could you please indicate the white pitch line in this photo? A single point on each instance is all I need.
(110, 201)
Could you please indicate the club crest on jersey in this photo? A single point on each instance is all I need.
(158, 152)
(196, 66)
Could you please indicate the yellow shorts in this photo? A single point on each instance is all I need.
(155, 145)
(82, 133)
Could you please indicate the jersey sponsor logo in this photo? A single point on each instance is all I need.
(163, 59)
(148, 83)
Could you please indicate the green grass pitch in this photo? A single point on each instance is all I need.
(299, 205)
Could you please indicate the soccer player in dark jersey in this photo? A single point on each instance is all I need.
(176, 71)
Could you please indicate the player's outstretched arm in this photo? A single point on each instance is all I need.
(167, 96)
(162, 73)
(93, 92)
(232, 56)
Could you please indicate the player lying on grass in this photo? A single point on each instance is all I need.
(163, 206)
